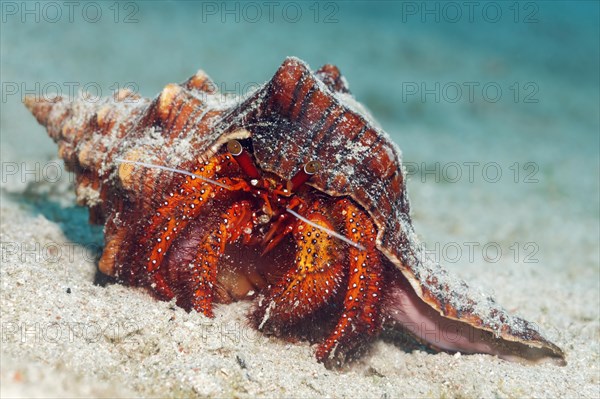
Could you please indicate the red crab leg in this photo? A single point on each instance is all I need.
(182, 205)
(280, 228)
(161, 288)
(165, 237)
(310, 283)
(200, 276)
(361, 313)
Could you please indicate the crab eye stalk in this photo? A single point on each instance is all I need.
(309, 169)
(243, 159)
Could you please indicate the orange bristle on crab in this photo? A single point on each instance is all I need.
(290, 197)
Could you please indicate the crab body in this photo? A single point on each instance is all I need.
(291, 197)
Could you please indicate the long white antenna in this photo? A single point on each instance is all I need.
(183, 172)
(328, 231)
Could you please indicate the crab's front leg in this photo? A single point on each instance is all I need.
(184, 202)
(361, 315)
(311, 282)
(194, 283)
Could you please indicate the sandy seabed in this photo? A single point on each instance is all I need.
(64, 336)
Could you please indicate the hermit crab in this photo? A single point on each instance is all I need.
(290, 196)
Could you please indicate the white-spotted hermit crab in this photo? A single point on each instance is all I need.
(290, 196)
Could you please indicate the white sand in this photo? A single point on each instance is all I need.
(118, 341)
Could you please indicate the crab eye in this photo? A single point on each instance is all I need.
(312, 167)
(234, 147)
(243, 159)
(309, 169)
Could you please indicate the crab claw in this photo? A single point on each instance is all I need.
(276, 233)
